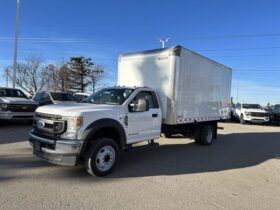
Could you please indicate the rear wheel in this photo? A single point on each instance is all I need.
(207, 134)
(204, 135)
(102, 157)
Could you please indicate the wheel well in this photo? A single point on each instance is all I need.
(105, 132)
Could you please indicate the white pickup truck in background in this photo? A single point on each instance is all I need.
(171, 91)
(250, 113)
(15, 105)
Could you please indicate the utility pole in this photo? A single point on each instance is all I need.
(16, 45)
(237, 90)
(163, 41)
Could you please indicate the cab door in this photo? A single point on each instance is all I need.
(143, 124)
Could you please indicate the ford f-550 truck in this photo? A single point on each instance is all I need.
(165, 91)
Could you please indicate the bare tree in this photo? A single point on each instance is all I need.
(96, 74)
(78, 74)
(58, 77)
(6, 75)
(30, 74)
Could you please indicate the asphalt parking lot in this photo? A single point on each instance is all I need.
(241, 170)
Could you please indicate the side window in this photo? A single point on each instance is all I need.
(238, 106)
(37, 97)
(148, 96)
(45, 97)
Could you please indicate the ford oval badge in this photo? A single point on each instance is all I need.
(40, 124)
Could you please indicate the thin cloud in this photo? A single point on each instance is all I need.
(255, 92)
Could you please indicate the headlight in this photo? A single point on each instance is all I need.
(3, 107)
(247, 113)
(73, 126)
(74, 123)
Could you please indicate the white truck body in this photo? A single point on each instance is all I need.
(190, 87)
(187, 95)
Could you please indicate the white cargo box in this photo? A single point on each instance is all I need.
(190, 87)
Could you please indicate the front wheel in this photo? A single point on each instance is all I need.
(242, 121)
(102, 157)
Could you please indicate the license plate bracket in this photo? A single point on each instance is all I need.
(37, 146)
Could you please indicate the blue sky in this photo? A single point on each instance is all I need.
(243, 35)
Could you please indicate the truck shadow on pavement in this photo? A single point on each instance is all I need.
(13, 132)
(231, 151)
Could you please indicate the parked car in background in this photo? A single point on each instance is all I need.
(275, 115)
(48, 97)
(81, 96)
(15, 105)
(269, 112)
(250, 113)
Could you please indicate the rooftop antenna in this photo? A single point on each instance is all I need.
(163, 41)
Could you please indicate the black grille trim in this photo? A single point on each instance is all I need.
(21, 107)
(48, 116)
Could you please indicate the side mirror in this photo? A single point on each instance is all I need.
(142, 105)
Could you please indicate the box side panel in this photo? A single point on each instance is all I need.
(152, 71)
(203, 89)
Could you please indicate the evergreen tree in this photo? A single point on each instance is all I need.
(80, 73)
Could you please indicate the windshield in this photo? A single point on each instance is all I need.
(251, 106)
(80, 97)
(114, 96)
(276, 108)
(63, 97)
(12, 93)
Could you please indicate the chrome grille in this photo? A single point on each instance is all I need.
(48, 116)
(258, 114)
(49, 123)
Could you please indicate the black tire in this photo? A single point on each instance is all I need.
(105, 149)
(197, 134)
(242, 121)
(206, 135)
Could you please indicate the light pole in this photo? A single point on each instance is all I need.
(163, 41)
(16, 45)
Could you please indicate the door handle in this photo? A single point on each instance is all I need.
(154, 115)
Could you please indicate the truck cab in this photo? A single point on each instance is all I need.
(100, 128)
(254, 113)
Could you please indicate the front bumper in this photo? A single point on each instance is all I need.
(256, 119)
(59, 152)
(16, 115)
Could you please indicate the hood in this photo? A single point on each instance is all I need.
(74, 109)
(255, 110)
(65, 102)
(15, 100)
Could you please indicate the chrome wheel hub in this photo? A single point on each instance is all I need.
(105, 158)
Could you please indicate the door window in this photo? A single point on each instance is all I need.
(148, 96)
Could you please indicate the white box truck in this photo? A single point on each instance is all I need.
(170, 91)
(191, 88)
